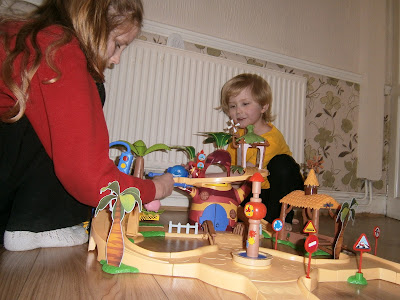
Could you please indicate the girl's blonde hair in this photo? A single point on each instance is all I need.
(260, 90)
(90, 21)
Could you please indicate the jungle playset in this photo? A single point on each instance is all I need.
(224, 262)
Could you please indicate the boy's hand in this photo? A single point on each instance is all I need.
(164, 185)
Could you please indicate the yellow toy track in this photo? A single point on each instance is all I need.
(199, 182)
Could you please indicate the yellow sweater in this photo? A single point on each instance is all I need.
(277, 145)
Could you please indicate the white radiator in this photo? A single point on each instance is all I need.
(160, 94)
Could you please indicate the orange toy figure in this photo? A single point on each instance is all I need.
(216, 202)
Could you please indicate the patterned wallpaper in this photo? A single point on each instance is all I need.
(331, 140)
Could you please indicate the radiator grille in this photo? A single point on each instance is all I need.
(160, 94)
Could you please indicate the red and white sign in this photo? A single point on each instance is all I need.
(377, 232)
(311, 244)
(362, 244)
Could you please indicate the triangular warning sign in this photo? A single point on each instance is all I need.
(309, 228)
(362, 244)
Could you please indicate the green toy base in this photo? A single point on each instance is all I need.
(117, 270)
(357, 279)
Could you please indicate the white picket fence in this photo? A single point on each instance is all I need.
(179, 226)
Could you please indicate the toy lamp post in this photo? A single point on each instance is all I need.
(254, 210)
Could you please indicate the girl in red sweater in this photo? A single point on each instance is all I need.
(53, 136)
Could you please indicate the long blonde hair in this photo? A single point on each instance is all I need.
(90, 21)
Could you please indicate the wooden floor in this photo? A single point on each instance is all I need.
(73, 273)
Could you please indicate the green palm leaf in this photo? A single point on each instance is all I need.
(353, 202)
(113, 187)
(221, 139)
(128, 202)
(104, 202)
(209, 140)
(132, 190)
(238, 169)
(190, 151)
(157, 147)
(139, 148)
(134, 196)
(346, 211)
(344, 214)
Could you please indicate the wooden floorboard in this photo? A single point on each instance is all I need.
(73, 273)
(15, 269)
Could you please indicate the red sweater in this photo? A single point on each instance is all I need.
(68, 118)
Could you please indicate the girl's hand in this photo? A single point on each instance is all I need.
(164, 185)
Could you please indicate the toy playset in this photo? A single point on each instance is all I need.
(232, 257)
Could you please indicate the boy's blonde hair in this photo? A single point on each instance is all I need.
(260, 90)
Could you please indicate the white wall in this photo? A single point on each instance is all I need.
(325, 32)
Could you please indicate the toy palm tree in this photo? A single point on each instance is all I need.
(140, 149)
(346, 213)
(221, 139)
(189, 150)
(120, 203)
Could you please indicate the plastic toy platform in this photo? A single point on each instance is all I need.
(284, 278)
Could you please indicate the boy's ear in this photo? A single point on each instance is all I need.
(264, 108)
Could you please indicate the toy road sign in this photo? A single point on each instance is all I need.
(362, 244)
(309, 228)
(377, 232)
(277, 225)
(311, 243)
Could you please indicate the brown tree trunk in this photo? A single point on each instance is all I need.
(115, 242)
(139, 167)
(132, 224)
(339, 241)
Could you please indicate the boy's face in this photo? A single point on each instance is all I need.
(118, 40)
(243, 109)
